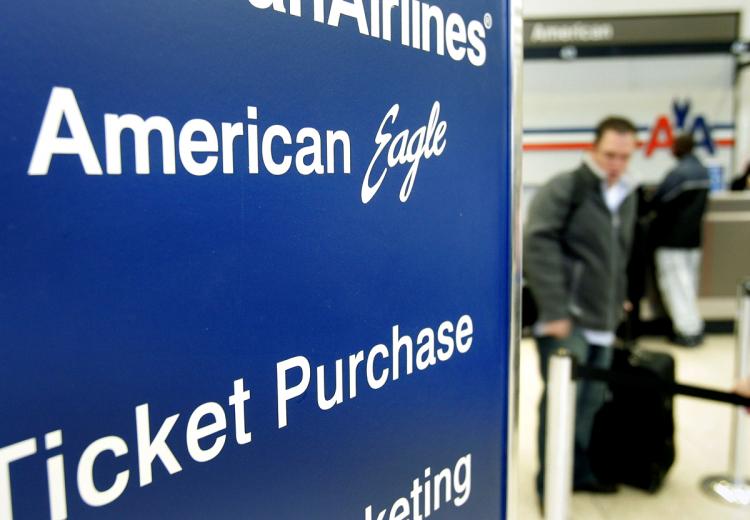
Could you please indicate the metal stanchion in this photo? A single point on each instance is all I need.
(558, 468)
(734, 488)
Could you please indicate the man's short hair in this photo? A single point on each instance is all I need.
(683, 145)
(616, 123)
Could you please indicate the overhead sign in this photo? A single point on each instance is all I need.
(673, 33)
(255, 259)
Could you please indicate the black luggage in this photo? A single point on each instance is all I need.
(632, 441)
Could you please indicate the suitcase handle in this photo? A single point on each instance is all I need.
(658, 384)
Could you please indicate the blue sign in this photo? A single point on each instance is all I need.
(716, 174)
(254, 259)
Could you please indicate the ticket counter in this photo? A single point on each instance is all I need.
(726, 253)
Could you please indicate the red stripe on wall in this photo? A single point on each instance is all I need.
(549, 147)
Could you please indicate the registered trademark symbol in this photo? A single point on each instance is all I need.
(487, 21)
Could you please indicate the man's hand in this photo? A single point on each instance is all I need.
(743, 388)
(559, 329)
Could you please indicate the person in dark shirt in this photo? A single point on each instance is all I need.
(743, 181)
(679, 203)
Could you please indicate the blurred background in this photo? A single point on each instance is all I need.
(671, 67)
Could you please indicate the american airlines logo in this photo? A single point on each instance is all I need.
(421, 26)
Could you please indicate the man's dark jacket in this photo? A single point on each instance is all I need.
(576, 251)
(679, 203)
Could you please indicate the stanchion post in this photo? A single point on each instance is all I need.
(742, 371)
(734, 488)
(558, 468)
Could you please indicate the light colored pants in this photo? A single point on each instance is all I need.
(678, 274)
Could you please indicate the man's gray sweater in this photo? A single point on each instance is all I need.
(576, 251)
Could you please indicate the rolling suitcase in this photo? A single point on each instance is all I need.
(632, 441)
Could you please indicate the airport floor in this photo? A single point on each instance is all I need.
(702, 439)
